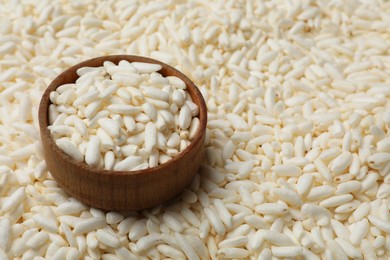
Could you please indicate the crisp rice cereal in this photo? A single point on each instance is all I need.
(297, 142)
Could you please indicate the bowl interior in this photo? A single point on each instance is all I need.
(70, 76)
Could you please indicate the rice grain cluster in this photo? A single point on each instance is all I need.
(297, 142)
(123, 117)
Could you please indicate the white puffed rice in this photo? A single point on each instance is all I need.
(132, 96)
(297, 139)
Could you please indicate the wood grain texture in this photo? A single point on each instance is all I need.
(122, 190)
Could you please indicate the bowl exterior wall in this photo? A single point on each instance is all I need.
(125, 191)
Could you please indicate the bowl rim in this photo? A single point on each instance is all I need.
(58, 81)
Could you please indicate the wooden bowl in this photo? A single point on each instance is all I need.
(122, 190)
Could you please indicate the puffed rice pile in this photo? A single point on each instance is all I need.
(297, 145)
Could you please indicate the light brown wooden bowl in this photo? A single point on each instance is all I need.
(122, 190)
